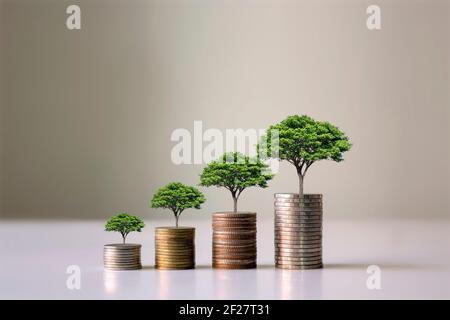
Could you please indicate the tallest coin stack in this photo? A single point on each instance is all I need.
(298, 231)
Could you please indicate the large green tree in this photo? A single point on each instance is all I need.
(236, 172)
(124, 223)
(177, 197)
(302, 141)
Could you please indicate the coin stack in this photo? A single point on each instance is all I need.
(298, 231)
(234, 240)
(122, 256)
(174, 248)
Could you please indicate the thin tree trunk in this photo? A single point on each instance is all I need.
(123, 238)
(176, 220)
(235, 204)
(300, 185)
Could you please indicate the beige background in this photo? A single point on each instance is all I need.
(86, 116)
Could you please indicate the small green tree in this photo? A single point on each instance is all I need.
(236, 172)
(177, 197)
(303, 141)
(124, 223)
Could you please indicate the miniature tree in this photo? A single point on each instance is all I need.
(236, 172)
(177, 197)
(303, 141)
(124, 223)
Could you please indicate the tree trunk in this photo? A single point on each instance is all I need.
(176, 220)
(123, 238)
(300, 185)
(235, 204)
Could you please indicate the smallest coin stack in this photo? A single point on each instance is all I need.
(174, 248)
(122, 256)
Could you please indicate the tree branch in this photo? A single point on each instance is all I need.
(240, 191)
(309, 163)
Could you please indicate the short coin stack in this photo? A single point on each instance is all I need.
(298, 231)
(122, 256)
(174, 248)
(234, 240)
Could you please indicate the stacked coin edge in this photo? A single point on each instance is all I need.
(120, 257)
(298, 231)
(174, 248)
(234, 240)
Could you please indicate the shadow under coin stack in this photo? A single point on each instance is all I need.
(298, 231)
(122, 256)
(234, 240)
(174, 248)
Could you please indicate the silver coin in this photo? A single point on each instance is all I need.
(312, 260)
(120, 258)
(297, 265)
(301, 224)
(305, 205)
(110, 264)
(297, 243)
(121, 266)
(297, 250)
(308, 256)
(298, 218)
(312, 196)
(297, 209)
(123, 253)
(307, 226)
(291, 211)
(122, 245)
(281, 221)
(278, 247)
(286, 195)
(297, 231)
(290, 233)
(286, 204)
(298, 255)
(294, 267)
(287, 200)
(294, 245)
(123, 269)
(297, 259)
(295, 239)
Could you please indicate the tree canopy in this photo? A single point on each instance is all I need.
(177, 197)
(124, 223)
(236, 172)
(302, 141)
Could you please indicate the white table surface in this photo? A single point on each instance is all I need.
(414, 258)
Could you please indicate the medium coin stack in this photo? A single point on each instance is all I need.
(122, 256)
(298, 231)
(234, 240)
(174, 248)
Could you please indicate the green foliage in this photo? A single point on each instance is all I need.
(124, 223)
(236, 172)
(302, 141)
(177, 197)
